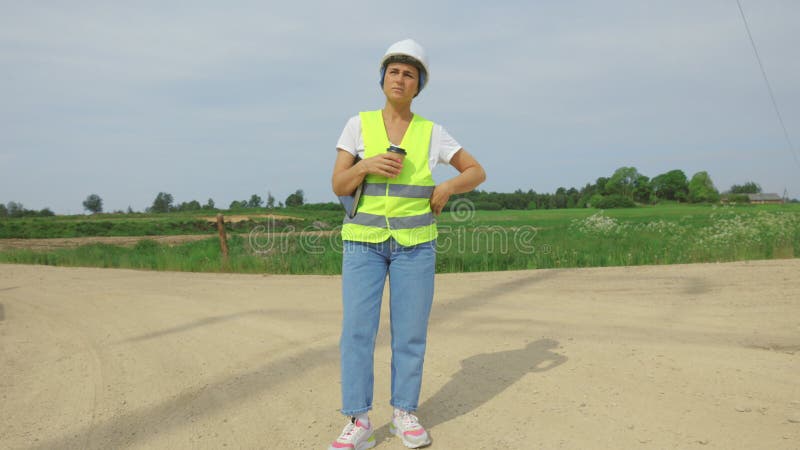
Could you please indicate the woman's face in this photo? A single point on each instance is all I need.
(401, 82)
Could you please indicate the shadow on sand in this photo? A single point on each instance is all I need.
(481, 378)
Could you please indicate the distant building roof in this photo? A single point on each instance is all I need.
(764, 197)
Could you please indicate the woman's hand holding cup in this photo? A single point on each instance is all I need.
(386, 164)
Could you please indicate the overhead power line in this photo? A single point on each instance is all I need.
(769, 86)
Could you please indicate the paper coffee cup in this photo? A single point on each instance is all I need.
(397, 151)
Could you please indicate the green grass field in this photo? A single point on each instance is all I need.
(141, 224)
(468, 241)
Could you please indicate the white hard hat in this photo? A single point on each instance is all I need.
(409, 48)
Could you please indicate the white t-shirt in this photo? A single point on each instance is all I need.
(442, 147)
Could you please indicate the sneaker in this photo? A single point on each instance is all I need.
(355, 436)
(407, 427)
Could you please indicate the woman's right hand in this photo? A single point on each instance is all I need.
(385, 165)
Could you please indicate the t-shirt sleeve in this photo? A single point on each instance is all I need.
(447, 146)
(348, 140)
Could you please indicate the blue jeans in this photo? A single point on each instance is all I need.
(411, 272)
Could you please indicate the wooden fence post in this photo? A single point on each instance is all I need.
(223, 240)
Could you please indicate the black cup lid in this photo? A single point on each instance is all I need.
(396, 149)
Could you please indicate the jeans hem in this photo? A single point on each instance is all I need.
(355, 412)
(404, 408)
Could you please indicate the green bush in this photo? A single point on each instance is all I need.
(613, 201)
(146, 245)
(487, 206)
(737, 198)
(330, 206)
(595, 199)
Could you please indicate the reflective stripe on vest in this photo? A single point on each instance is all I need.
(395, 207)
(398, 190)
(397, 223)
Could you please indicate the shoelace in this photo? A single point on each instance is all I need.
(347, 433)
(410, 421)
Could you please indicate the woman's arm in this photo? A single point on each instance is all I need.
(472, 174)
(347, 174)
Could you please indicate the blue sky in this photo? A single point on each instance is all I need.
(223, 100)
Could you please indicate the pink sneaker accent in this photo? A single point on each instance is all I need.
(354, 436)
(416, 432)
(406, 426)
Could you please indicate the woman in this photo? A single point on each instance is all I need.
(392, 232)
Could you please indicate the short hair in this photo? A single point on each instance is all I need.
(405, 59)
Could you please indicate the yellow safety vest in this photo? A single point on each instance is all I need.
(395, 207)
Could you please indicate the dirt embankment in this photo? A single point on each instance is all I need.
(129, 241)
(241, 218)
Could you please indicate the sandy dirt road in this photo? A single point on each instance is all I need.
(686, 356)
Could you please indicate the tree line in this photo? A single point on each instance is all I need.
(165, 202)
(626, 187)
(15, 209)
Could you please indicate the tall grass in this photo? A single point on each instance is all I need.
(198, 256)
(487, 241)
(138, 224)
